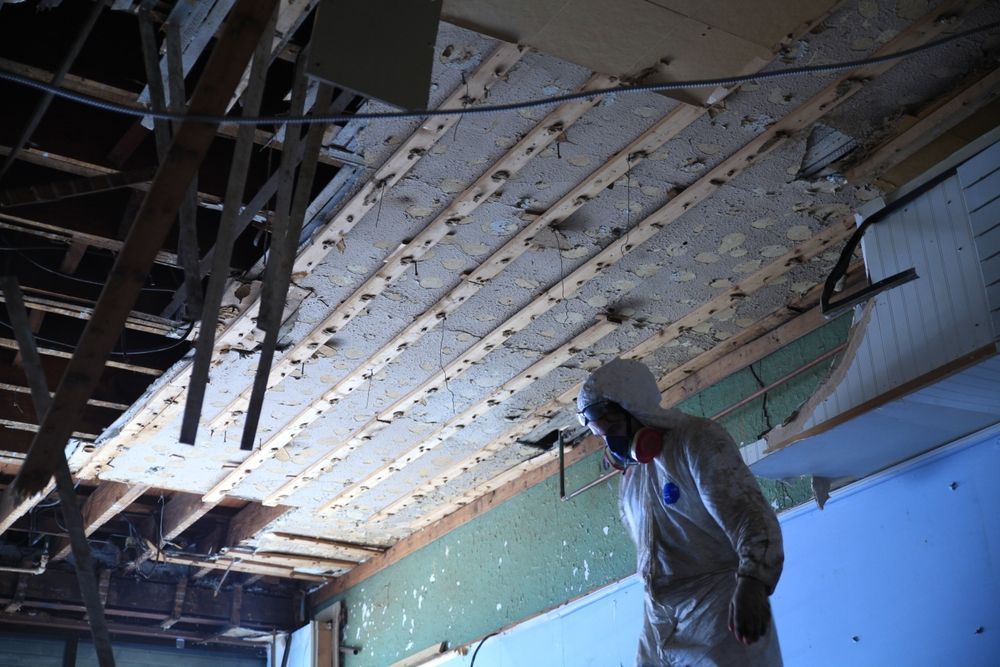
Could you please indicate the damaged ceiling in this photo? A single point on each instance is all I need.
(455, 279)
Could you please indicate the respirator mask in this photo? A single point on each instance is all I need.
(638, 445)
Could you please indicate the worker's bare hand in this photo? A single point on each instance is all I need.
(749, 611)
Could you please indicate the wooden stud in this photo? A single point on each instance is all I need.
(12, 501)
(18, 599)
(285, 241)
(80, 167)
(182, 510)
(223, 250)
(59, 190)
(296, 560)
(180, 593)
(42, 105)
(187, 226)
(49, 352)
(235, 564)
(313, 541)
(108, 93)
(251, 520)
(467, 417)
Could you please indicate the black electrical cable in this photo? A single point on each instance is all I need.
(69, 347)
(496, 108)
(481, 642)
(69, 276)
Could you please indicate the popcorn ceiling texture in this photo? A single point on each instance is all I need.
(751, 220)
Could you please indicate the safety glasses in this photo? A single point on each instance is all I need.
(596, 411)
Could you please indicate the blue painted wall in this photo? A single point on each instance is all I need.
(899, 569)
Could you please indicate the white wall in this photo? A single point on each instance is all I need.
(901, 561)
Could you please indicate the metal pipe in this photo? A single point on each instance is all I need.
(780, 381)
(562, 466)
(603, 478)
(42, 564)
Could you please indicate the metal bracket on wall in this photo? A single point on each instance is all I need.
(562, 474)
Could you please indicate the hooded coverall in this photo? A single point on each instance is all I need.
(698, 520)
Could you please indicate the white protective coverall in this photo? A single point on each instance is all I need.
(698, 519)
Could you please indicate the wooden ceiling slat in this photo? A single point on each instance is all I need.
(166, 403)
(467, 417)
(929, 126)
(441, 227)
(69, 236)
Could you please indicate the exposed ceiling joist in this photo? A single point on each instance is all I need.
(544, 133)
(166, 404)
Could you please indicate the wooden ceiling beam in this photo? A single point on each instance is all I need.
(18, 409)
(136, 320)
(106, 502)
(11, 344)
(535, 372)
(20, 389)
(362, 550)
(236, 564)
(930, 124)
(167, 402)
(71, 165)
(154, 220)
(329, 155)
(69, 236)
(783, 325)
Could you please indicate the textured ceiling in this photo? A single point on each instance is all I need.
(697, 239)
(749, 222)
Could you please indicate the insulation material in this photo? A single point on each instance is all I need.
(749, 222)
(654, 41)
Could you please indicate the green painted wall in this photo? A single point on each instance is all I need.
(535, 552)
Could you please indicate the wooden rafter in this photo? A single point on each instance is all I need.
(49, 352)
(136, 321)
(71, 165)
(467, 417)
(49, 232)
(101, 91)
(148, 233)
(785, 324)
(105, 503)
